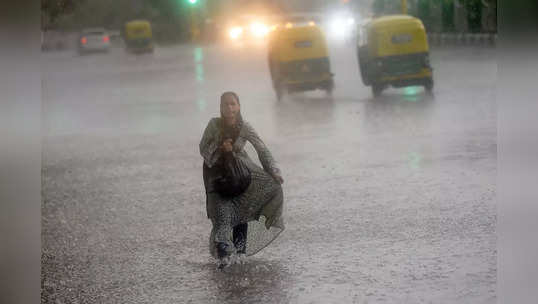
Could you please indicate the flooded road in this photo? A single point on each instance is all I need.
(387, 200)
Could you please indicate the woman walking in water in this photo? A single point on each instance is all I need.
(257, 207)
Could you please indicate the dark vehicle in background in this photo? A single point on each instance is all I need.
(93, 40)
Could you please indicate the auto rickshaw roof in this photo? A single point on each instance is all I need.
(299, 31)
(137, 22)
(395, 20)
(93, 29)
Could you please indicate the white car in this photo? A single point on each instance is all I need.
(93, 40)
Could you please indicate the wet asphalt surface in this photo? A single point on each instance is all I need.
(387, 200)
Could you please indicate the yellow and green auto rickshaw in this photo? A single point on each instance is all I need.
(138, 37)
(393, 51)
(299, 60)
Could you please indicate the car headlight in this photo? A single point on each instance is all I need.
(235, 32)
(340, 27)
(258, 29)
(337, 26)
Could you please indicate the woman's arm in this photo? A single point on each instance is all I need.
(210, 143)
(264, 155)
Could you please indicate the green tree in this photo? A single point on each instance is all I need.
(474, 14)
(51, 10)
(169, 18)
(448, 15)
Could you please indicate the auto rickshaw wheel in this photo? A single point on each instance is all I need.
(377, 89)
(362, 56)
(329, 89)
(428, 85)
(279, 92)
(278, 95)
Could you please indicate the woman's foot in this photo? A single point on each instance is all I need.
(222, 250)
(223, 255)
(241, 258)
(240, 238)
(223, 263)
(241, 248)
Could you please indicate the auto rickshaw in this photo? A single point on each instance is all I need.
(393, 51)
(138, 36)
(298, 60)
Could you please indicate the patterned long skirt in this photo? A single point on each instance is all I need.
(260, 206)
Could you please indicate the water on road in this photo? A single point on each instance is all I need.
(387, 200)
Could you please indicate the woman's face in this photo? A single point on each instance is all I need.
(230, 107)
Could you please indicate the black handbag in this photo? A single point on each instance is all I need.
(234, 178)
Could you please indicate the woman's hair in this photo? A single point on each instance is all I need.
(229, 93)
(230, 131)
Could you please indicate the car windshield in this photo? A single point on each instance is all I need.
(94, 33)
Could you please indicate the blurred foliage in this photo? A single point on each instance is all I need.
(52, 10)
(474, 14)
(519, 20)
(434, 11)
(424, 12)
(172, 20)
(169, 18)
(386, 7)
(447, 16)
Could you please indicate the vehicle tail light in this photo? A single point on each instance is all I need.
(83, 40)
(106, 39)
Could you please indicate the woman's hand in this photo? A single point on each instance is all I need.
(278, 178)
(227, 145)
